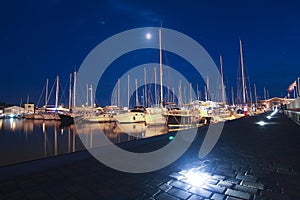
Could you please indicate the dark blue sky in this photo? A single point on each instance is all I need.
(42, 39)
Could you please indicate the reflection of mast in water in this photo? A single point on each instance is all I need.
(73, 144)
(45, 139)
(69, 138)
(55, 141)
(91, 139)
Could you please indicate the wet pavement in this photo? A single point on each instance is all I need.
(250, 161)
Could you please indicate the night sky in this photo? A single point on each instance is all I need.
(43, 39)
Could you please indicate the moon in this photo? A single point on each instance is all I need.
(148, 36)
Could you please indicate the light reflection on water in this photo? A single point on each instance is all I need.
(24, 140)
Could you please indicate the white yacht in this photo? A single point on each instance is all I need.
(136, 115)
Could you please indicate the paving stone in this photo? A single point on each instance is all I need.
(151, 191)
(246, 178)
(238, 194)
(165, 196)
(225, 184)
(181, 194)
(274, 195)
(233, 180)
(74, 188)
(165, 187)
(214, 188)
(232, 198)
(176, 176)
(13, 195)
(258, 197)
(212, 181)
(154, 182)
(38, 195)
(181, 185)
(8, 187)
(229, 175)
(245, 189)
(285, 171)
(144, 197)
(224, 172)
(195, 197)
(218, 177)
(254, 185)
(217, 196)
(200, 192)
(85, 194)
(57, 193)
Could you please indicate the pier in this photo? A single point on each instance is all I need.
(255, 158)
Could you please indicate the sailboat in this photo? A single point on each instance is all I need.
(244, 106)
(156, 115)
(67, 118)
(135, 115)
(148, 115)
(87, 113)
(39, 111)
(51, 113)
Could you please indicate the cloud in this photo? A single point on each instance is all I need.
(133, 10)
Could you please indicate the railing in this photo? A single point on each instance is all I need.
(294, 115)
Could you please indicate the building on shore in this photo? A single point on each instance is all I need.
(29, 108)
(13, 111)
(275, 102)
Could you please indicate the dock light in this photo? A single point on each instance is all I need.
(261, 123)
(272, 114)
(148, 36)
(195, 177)
(171, 137)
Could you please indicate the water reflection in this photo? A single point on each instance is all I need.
(23, 140)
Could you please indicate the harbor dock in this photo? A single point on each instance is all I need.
(251, 160)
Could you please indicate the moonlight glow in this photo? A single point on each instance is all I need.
(148, 36)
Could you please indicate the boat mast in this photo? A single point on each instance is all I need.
(197, 92)
(184, 94)
(232, 96)
(205, 92)
(160, 69)
(222, 77)
(136, 93)
(243, 72)
(179, 95)
(57, 90)
(91, 88)
(298, 86)
(87, 95)
(207, 88)
(119, 102)
(154, 69)
(74, 90)
(128, 90)
(145, 87)
(70, 92)
(46, 95)
(255, 95)
(191, 97)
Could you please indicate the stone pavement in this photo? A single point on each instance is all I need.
(248, 162)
